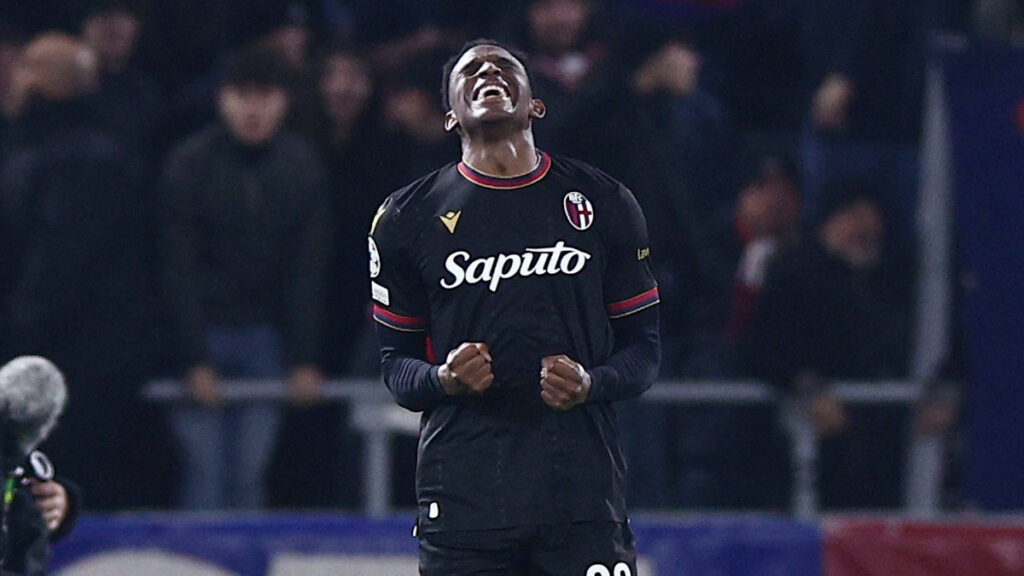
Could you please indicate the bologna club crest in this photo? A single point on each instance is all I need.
(578, 210)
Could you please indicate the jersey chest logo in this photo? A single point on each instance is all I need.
(578, 210)
(462, 268)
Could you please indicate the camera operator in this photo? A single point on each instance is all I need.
(37, 509)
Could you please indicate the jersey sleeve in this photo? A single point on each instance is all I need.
(631, 294)
(399, 298)
(629, 284)
(401, 313)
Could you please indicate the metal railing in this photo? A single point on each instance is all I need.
(374, 414)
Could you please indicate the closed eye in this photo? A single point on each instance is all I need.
(473, 66)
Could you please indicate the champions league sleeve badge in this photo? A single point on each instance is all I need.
(578, 210)
(374, 259)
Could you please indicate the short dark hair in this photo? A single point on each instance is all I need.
(256, 65)
(450, 65)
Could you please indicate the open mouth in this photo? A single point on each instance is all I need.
(491, 91)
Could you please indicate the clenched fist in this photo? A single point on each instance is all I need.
(563, 382)
(467, 369)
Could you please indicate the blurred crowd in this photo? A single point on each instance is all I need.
(186, 185)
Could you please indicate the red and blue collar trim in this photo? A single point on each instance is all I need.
(497, 182)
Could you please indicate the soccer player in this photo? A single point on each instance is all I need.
(530, 275)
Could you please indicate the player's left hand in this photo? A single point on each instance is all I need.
(564, 383)
(53, 502)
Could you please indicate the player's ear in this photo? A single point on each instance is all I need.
(450, 121)
(537, 108)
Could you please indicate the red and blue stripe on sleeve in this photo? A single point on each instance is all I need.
(634, 304)
(399, 322)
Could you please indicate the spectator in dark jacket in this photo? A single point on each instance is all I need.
(69, 205)
(827, 305)
(573, 70)
(674, 157)
(830, 310)
(129, 100)
(683, 176)
(865, 64)
(246, 235)
(361, 177)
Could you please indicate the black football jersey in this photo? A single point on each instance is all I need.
(532, 266)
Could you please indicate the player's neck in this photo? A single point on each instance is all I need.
(505, 158)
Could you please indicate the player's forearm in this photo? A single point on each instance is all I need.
(633, 367)
(413, 383)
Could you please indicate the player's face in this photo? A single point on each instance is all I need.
(489, 84)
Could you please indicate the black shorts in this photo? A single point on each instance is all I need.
(578, 549)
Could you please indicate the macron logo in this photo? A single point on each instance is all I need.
(558, 259)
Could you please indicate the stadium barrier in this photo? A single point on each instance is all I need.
(378, 419)
(317, 544)
(322, 544)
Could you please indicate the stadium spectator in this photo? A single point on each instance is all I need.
(675, 158)
(355, 154)
(246, 239)
(755, 48)
(289, 31)
(575, 69)
(129, 100)
(357, 167)
(999, 22)
(864, 64)
(725, 457)
(72, 203)
(184, 47)
(400, 31)
(682, 168)
(131, 104)
(411, 134)
(11, 43)
(736, 456)
(830, 310)
(411, 122)
(767, 222)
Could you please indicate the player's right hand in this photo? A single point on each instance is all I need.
(467, 369)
